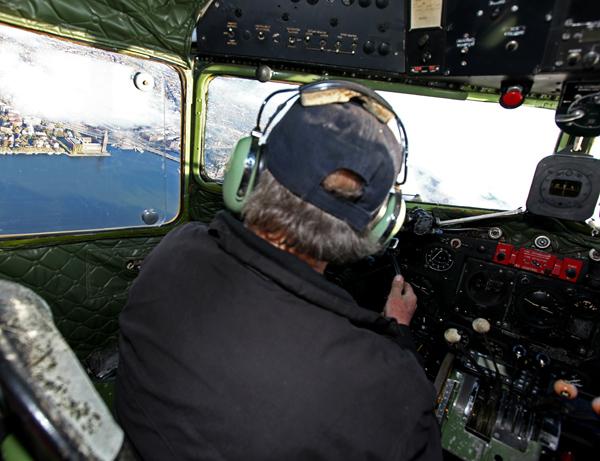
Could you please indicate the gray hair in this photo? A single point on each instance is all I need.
(306, 229)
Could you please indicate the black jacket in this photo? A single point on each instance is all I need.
(234, 350)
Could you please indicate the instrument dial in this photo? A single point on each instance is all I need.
(541, 308)
(439, 259)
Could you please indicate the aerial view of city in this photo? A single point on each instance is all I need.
(83, 100)
(89, 139)
(22, 134)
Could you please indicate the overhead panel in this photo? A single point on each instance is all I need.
(480, 37)
(346, 34)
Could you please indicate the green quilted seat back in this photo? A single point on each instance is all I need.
(85, 284)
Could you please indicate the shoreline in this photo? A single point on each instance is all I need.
(52, 152)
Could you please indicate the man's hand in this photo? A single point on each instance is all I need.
(402, 301)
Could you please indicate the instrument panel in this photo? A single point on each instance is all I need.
(499, 388)
(462, 276)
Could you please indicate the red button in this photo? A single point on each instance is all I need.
(512, 99)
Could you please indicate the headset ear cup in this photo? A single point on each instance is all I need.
(399, 220)
(240, 169)
(390, 221)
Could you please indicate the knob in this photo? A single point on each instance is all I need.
(573, 58)
(422, 41)
(264, 73)
(452, 336)
(511, 46)
(481, 326)
(382, 3)
(384, 48)
(150, 216)
(565, 389)
(571, 272)
(596, 405)
(590, 59)
(542, 360)
(519, 351)
(369, 47)
(364, 3)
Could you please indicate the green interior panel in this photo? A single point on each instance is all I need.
(204, 203)
(85, 284)
(12, 450)
(160, 26)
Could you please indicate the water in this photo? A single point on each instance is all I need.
(51, 193)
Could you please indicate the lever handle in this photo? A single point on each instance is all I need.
(570, 116)
(596, 405)
(565, 389)
(481, 326)
(452, 336)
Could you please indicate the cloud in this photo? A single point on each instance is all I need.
(61, 81)
(473, 153)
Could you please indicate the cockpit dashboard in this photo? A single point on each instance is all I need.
(520, 386)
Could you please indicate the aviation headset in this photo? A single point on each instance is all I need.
(247, 159)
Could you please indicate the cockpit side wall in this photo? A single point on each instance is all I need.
(162, 28)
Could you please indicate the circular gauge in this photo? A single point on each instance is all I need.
(540, 308)
(586, 307)
(487, 288)
(439, 259)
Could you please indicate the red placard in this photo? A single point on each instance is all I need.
(538, 261)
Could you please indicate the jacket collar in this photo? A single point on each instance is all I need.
(290, 272)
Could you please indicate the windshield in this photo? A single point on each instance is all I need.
(465, 153)
(473, 153)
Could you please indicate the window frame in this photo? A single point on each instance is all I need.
(185, 76)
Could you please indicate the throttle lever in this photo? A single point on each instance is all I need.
(392, 246)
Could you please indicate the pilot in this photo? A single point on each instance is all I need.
(235, 346)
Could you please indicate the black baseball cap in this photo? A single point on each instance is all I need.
(310, 143)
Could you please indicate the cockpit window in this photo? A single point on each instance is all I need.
(231, 114)
(472, 153)
(464, 153)
(595, 151)
(89, 139)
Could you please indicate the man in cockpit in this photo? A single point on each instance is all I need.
(234, 346)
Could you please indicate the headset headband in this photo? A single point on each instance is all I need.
(336, 91)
